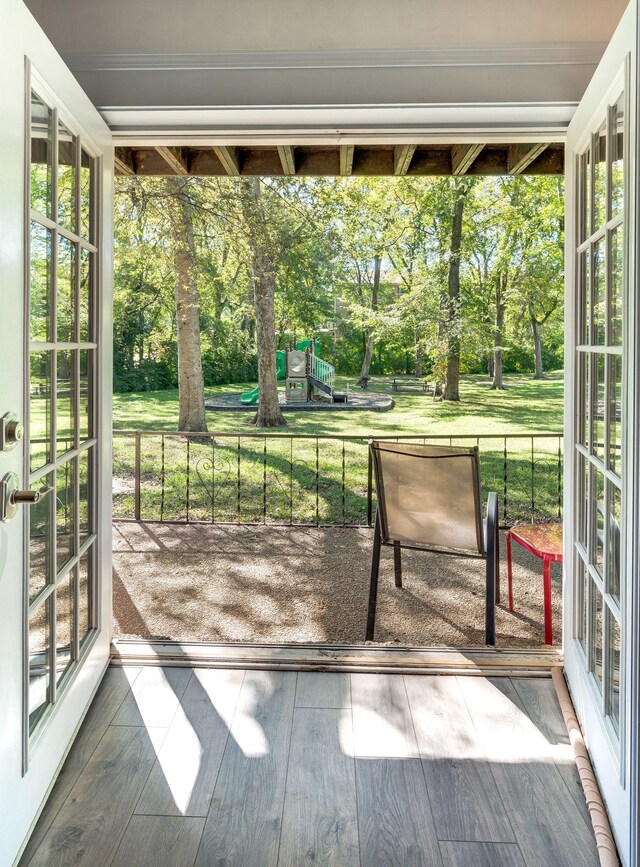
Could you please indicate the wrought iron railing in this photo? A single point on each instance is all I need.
(307, 479)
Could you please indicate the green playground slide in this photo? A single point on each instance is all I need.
(250, 398)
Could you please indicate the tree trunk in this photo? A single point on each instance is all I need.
(418, 360)
(497, 382)
(537, 348)
(269, 413)
(368, 353)
(452, 383)
(190, 379)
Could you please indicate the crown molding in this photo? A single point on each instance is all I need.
(571, 54)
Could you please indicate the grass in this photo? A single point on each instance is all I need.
(525, 406)
(300, 481)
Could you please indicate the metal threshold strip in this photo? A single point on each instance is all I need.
(338, 657)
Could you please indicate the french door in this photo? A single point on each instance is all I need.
(601, 596)
(55, 337)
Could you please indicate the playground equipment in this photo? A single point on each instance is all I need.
(304, 372)
(250, 398)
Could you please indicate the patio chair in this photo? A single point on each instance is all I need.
(429, 500)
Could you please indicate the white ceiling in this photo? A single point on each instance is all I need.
(209, 64)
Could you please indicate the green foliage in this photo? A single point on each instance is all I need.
(324, 237)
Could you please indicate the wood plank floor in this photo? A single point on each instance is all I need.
(183, 767)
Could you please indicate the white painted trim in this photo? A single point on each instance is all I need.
(344, 124)
(563, 54)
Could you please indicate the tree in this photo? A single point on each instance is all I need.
(452, 382)
(190, 380)
(269, 413)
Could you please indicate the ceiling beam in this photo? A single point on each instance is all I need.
(123, 161)
(346, 159)
(520, 156)
(463, 157)
(229, 158)
(402, 156)
(174, 158)
(287, 158)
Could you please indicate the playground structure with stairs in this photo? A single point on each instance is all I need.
(307, 376)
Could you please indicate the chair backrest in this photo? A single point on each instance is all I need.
(429, 496)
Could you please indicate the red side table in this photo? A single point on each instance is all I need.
(543, 541)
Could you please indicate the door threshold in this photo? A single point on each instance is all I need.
(338, 657)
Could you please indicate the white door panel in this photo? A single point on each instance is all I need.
(601, 420)
(28, 765)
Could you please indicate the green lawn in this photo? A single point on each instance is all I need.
(279, 479)
(525, 406)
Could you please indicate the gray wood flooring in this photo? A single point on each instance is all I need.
(180, 767)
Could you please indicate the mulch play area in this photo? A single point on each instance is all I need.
(310, 585)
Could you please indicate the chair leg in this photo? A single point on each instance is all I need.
(397, 563)
(373, 583)
(548, 616)
(509, 571)
(492, 554)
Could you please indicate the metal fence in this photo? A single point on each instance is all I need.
(307, 479)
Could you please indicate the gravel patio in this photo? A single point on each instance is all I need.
(309, 585)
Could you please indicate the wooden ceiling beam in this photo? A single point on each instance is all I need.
(346, 159)
(287, 159)
(174, 159)
(123, 161)
(520, 156)
(463, 157)
(402, 156)
(229, 158)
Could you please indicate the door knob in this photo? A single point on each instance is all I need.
(11, 497)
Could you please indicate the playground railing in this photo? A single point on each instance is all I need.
(323, 371)
(314, 480)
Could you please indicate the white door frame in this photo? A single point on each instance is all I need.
(616, 768)
(22, 793)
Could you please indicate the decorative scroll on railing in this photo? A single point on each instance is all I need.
(306, 479)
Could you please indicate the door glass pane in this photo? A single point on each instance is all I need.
(587, 203)
(86, 378)
(613, 672)
(596, 633)
(617, 157)
(600, 178)
(64, 626)
(40, 283)
(583, 399)
(598, 519)
(41, 147)
(583, 500)
(599, 295)
(85, 288)
(617, 270)
(40, 538)
(85, 572)
(66, 307)
(65, 402)
(86, 182)
(38, 663)
(597, 412)
(40, 389)
(614, 528)
(64, 514)
(66, 178)
(84, 481)
(581, 602)
(615, 410)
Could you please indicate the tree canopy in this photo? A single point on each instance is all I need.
(370, 266)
